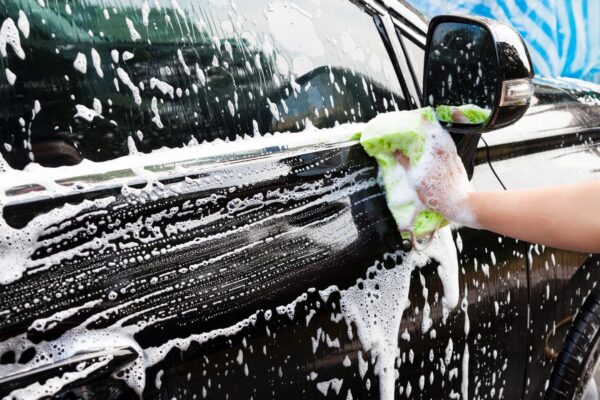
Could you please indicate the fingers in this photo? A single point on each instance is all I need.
(458, 116)
(402, 159)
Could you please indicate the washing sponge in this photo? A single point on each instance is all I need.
(412, 133)
(404, 131)
(465, 114)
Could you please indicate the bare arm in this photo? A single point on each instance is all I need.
(566, 217)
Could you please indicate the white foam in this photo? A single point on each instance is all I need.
(335, 384)
(53, 385)
(23, 24)
(114, 54)
(9, 35)
(200, 75)
(124, 76)
(145, 13)
(464, 386)
(377, 322)
(448, 352)
(15, 254)
(186, 69)
(10, 76)
(164, 87)
(156, 118)
(80, 338)
(464, 305)
(80, 63)
(86, 113)
(132, 31)
(44, 324)
(97, 106)
(158, 379)
(97, 62)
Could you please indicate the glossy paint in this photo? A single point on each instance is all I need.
(555, 143)
(228, 272)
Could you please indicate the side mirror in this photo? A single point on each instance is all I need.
(481, 62)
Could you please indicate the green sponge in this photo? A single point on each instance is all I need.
(407, 132)
(403, 131)
(468, 112)
(386, 133)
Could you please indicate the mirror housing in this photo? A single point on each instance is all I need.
(472, 60)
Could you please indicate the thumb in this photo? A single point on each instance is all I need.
(402, 159)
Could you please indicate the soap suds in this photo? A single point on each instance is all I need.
(135, 91)
(9, 35)
(53, 385)
(145, 13)
(132, 31)
(23, 24)
(464, 386)
(86, 113)
(164, 87)
(80, 63)
(80, 338)
(97, 62)
(10, 76)
(15, 255)
(378, 322)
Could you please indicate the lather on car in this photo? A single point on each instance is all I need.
(185, 216)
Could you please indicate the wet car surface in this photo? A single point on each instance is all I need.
(202, 227)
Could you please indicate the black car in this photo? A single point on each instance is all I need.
(184, 215)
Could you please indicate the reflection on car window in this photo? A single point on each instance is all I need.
(91, 79)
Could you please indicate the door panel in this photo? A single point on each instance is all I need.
(493, 285)
(555, 143)
(234, 282)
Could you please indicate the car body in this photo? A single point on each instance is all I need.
(174, 245)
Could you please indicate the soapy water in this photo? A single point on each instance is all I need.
(377, 322)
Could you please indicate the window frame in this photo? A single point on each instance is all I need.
(384, 22)
(409, 24)
(403, 36)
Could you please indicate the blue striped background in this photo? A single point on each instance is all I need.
(563, 36)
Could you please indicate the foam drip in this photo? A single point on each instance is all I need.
(9, 36)
(376, 305)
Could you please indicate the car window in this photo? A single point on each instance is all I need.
(85, 80)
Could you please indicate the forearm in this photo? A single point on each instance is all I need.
(566, 217)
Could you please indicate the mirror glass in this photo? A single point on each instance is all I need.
(461, 72)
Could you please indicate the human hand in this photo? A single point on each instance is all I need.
(440, 179)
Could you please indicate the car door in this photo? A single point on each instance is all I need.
(172, 240)
(555, 143)
(488, 334)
